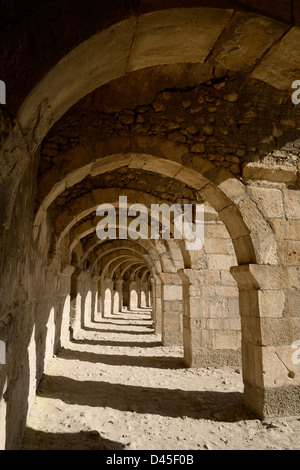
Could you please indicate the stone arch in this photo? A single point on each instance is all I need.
(74, 214)
(119, 265)
(144, 274)
(154, 252)
(252, 237)
(261, 285)
(132, 266)
(135, 247)
(144, 41)
(122, 260)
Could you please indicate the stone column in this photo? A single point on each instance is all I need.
(107, 296)
(139, 292)
(133, 295)
(82, 302)
(115, 302)
(211, 331)
(193, 313)
(144, 294)
(157, 304)
(75, 304)
(119, 289)
(126, 294)
(271, 376)
(149, 295)
(98, 313)
(95, 298)
(86, 306)
(63, 320)
(171, 309)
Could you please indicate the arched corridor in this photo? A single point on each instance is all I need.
(116, 387)
(128, 129)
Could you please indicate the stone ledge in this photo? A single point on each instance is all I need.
(273, 173)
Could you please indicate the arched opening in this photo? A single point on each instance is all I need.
(160, 110)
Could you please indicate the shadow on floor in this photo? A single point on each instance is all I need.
(83, 440)
(125, 332)
(219, 406)
(122, 360)
(145, 314)
(125, 323)
(128, 344)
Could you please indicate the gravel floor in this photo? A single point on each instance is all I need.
(115, 387)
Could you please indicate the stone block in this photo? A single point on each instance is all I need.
(265, 277)
(201, 338)
(232, 187)
(252, 364)
(244, 250)
(166, 167)
(251, 330)
(289, 251)
(215, 324)
(216, 198)
(208, 291)
(285, 52)
(235, 324)
(172, 292)
(220, 262)
(216, 230)
(292, 204)
(227, 279)
(293, 304)
(226, 340)
(293, 229)
(218, 308)
(271, 303)
(239, 49)
(198, 308)
(272, 173)
(278, 367)
(191, 178)
(279, 228)
(234, 308)
(171, 329)
(269, 200)
(234, 219)
(261, 234)
(226, 291)
(279, 331)
(172, 36)
(216, 246)
(213, 277)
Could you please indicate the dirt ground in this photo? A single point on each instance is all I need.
(115, 387)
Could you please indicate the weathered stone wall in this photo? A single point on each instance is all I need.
(86, 300)
(220, 317)
(201, 114)
(278, 325)
(46, 32)
(231, 120)
(34, 301)
(18, 300)
(211, 320)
